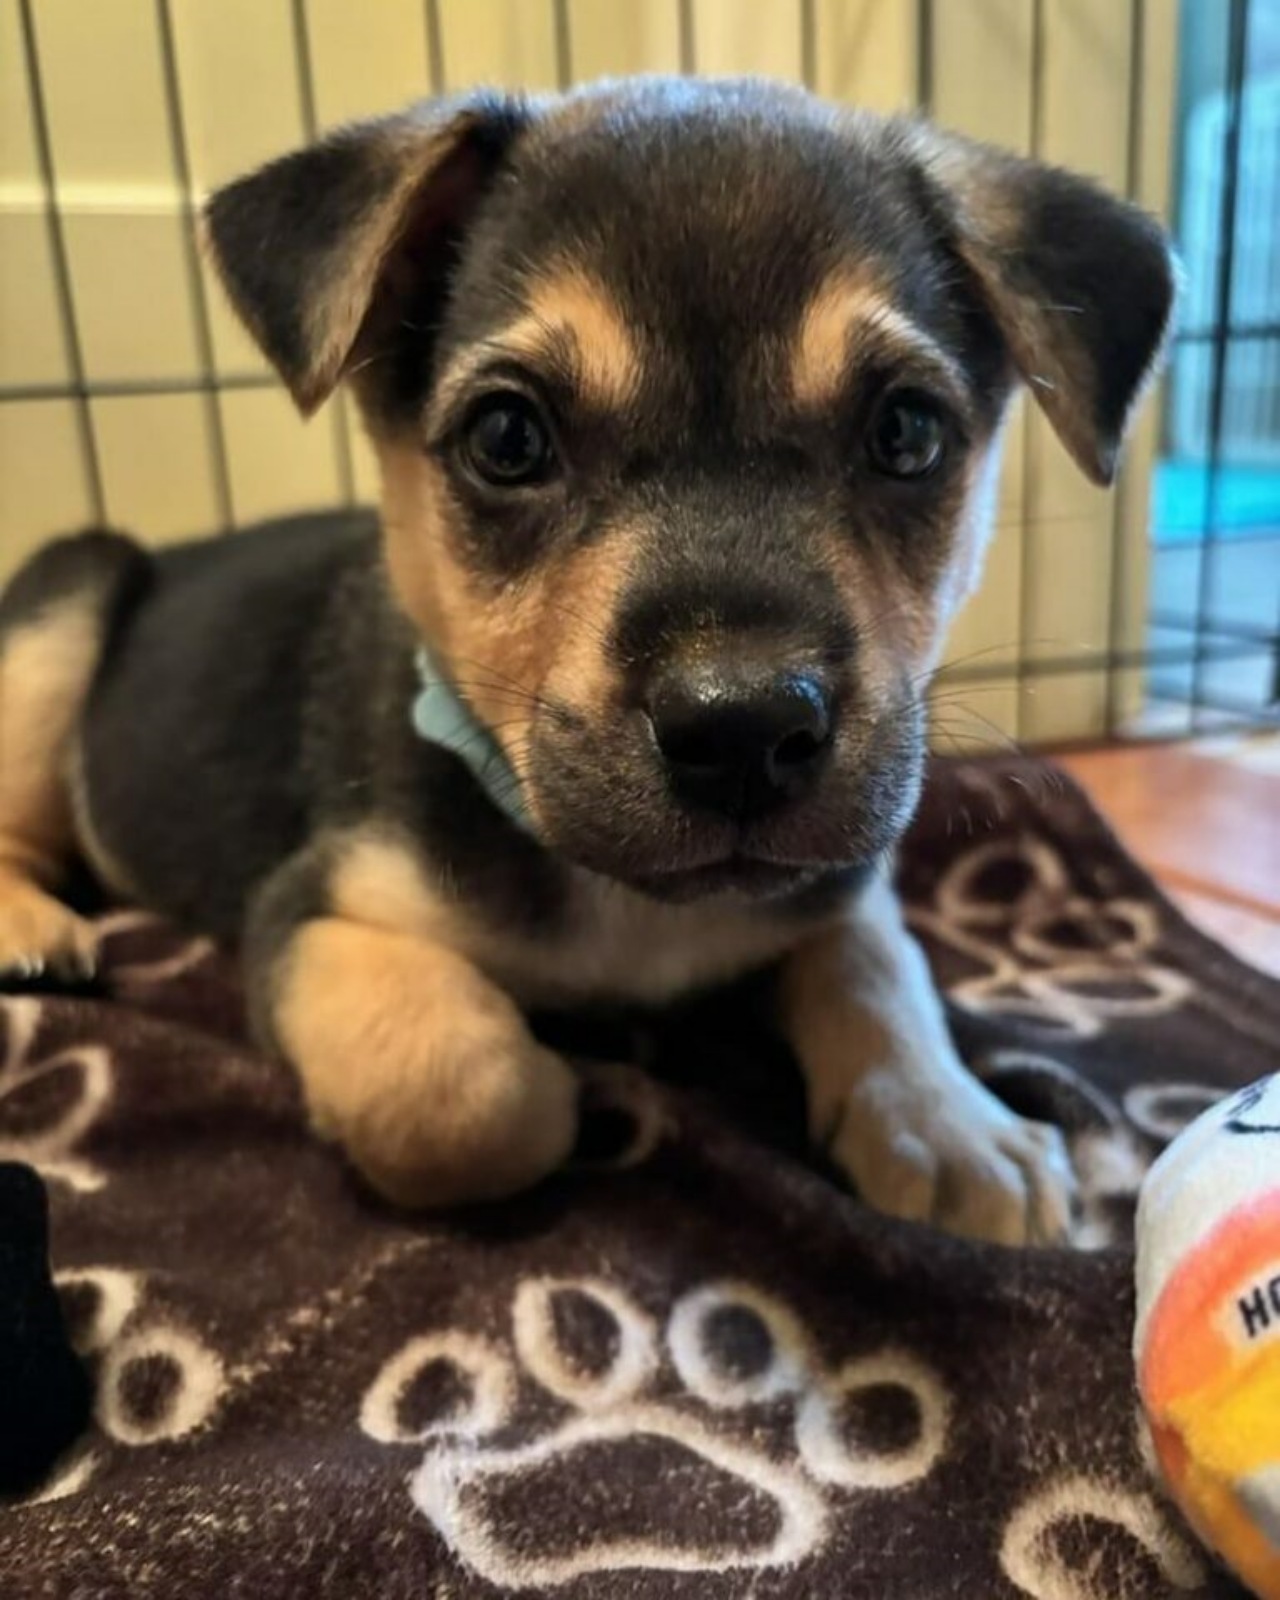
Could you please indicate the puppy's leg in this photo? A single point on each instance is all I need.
(54, 622)
(892, 1102)
(419, 1065)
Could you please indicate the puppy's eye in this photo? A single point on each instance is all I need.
(908, 437)
(506, 443)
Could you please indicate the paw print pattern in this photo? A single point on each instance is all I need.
(49, 1102)
(154, 1380)
(1035, 1557)
(1043, 954)
(479, 1369)
(177, 958)
(624, 1117)
(732, 1348)
(1164, 1110)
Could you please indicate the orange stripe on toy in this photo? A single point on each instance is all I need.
(1210, 1380)
(1221, 1302)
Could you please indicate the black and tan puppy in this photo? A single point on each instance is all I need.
(687, 399)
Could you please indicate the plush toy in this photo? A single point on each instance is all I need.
(1208, 1334)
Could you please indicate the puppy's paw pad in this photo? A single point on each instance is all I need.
(960, 1160)
(1049, 1180)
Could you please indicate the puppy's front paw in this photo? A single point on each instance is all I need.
(420, 1067)
(484, 1126)
(41, 940)
(953, 1155)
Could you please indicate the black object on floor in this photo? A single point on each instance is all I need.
(45, 1392)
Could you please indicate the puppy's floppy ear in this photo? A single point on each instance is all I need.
(309, 245)
(1080, 285)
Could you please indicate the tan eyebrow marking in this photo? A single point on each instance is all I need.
(844, 308)
(568, 314)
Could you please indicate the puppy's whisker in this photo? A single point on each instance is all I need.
(492, 679)
(478, 735)
(950, 665)
(961, 740)
(951, 704)
(500, 681)
(874, 624)
(947, 669)
(992, 732)
(594, 630)
(371, 360)
(509, 699)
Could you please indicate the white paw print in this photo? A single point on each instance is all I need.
(145, 950)
(1032, 1555)
(1040, 952)
(49, 1101)
(155, 1381)
(728, 1412)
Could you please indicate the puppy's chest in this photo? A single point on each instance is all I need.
(614, 944)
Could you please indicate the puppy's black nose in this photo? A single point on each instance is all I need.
(740, 743)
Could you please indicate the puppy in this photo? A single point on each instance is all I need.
(687, 399)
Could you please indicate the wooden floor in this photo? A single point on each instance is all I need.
(1206, 822)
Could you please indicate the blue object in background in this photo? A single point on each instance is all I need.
(1247, 502)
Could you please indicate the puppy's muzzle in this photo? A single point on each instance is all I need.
(739, 738)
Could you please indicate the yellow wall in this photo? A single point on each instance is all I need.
(132, 109)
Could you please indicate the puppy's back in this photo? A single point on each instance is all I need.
(192, 772)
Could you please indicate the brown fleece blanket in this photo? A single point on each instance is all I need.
(694, 1366)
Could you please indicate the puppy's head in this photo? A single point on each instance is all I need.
(687, 398)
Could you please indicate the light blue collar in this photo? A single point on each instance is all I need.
(441, 717)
